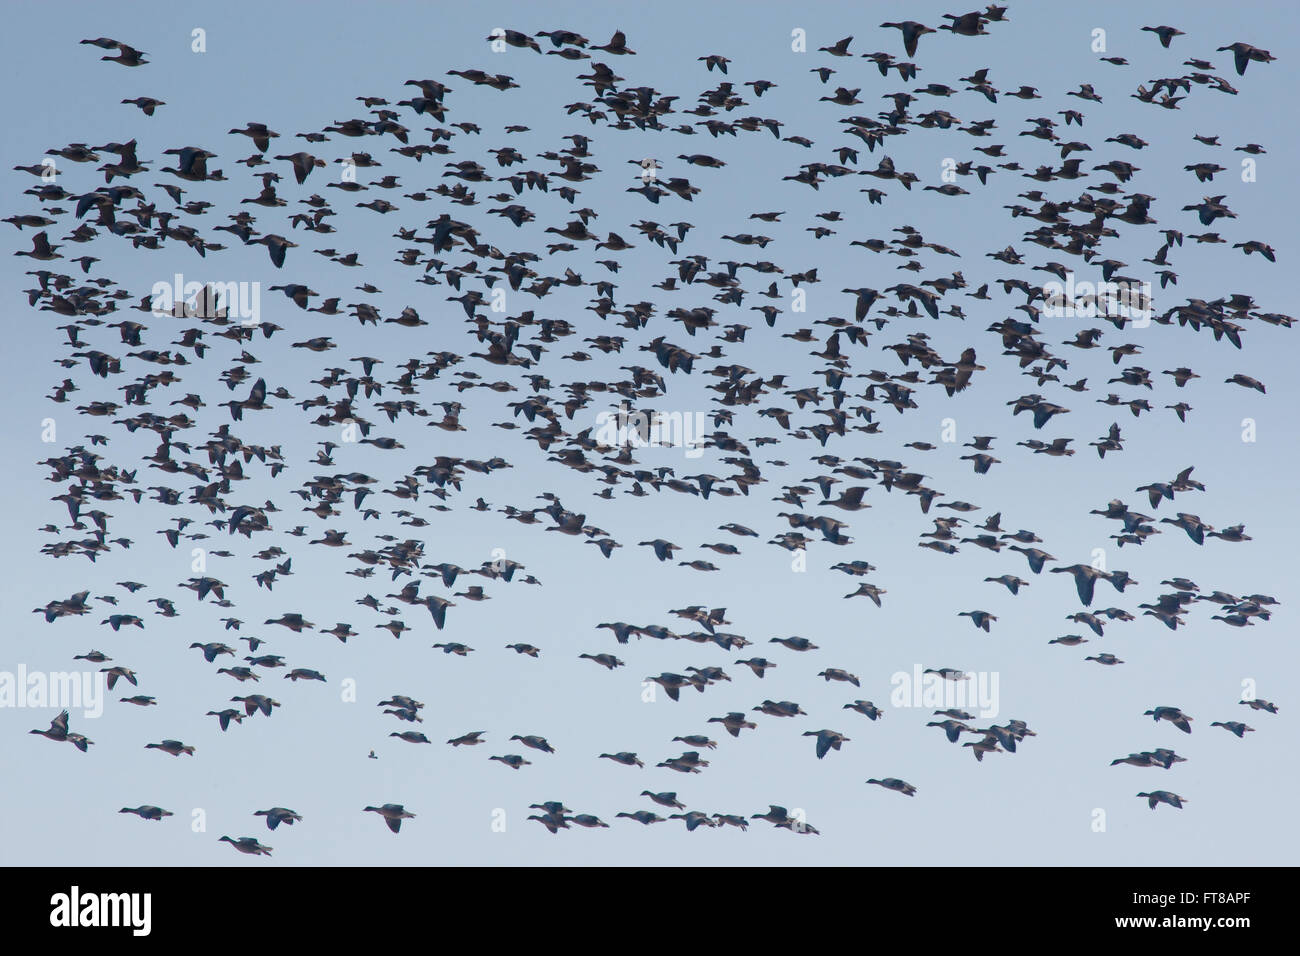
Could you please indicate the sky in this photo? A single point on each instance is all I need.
(1041, 805)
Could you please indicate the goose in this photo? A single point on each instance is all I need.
(58, 729)
(693, 820)
(981, 619)
(866, 708)
(952, 728)
(839, 48)
(213, 650)
(1007, 736)
(774, 815)
(799, 826)
(1163, 796)
(688, 762)
(173, 747)
(784, 708)
(1160, 757)
(259, 134)
(663, 549)
(617, 45)
(1093, 622)
(1173, 715)
(985, 745)
(1242, 54)
(1165, 34)
(293, 621)
(460, 650)
(224, 717)
(147, 812)
(1085, 579)
(1010, 581)
(277, 815)
(341, 631)
(1258, 703)
(249, 845)
(671, 683)
(254, 703)
(947, 673)
(758, 665)
(1234, 727)
(1105, 658)
(403, 702)
(303, 164)
(468, 740)
(869, 590)
(732, 820)
(794, 643)
(668, 799)
(912, 33)
(41, 249)
(895, 784)
(827, 740)
(625, 758)
(304, 673)
(835, 673)
(734, 723)
(1035, 557)
(704, 676)
(411, 737)
(552, 822)
(956, 714)
(644, 817)
(967, 25)
(393, 814)
(607, 661)
(126, 56)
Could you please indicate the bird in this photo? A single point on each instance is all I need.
(247, 845)
(1163, 796)
(1173, 715)
(1235, 727)
(625, 758)
(148, 812)
(173, 747)
(393, 814)
(277, 815)
(895, 784)
(1164, 34)
(827, 740)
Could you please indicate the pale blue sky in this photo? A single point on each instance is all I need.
(299, 72)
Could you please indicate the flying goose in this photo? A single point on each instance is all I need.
(249, 845)
(898, 786)
(393, 814)
(1173, 715)
(1164, 796)
(277, 815)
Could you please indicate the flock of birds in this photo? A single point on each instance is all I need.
(422, 150)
